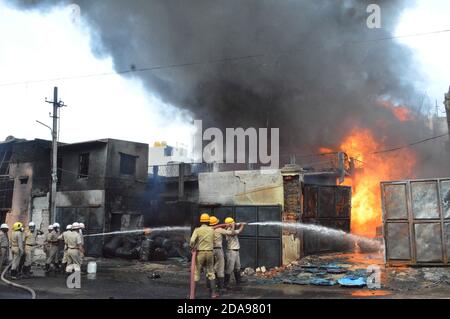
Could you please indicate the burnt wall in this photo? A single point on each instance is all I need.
(70, 154)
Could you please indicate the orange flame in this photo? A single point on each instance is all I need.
(402, 113)
(370, 170)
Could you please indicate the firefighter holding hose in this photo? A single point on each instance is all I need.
(233, 257)
(219, 260)
(202, 241)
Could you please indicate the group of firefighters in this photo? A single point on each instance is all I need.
(24, 242)
(206, 240)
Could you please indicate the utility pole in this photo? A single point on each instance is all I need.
(56, 104)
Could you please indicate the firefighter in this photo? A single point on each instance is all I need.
(74, 249)
(63, 237)
(202, 240)
(30, 245)
(17, 248)
(219, 260)
(233, 258)
(82, 241)
(4, 245)
(52, 247)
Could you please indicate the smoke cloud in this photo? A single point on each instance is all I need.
(318, 70)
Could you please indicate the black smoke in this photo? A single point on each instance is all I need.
(317, 69)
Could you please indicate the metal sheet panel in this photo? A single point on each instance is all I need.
(247, 214)
(248, 252)
(425, 202)
(398, 243)
(268, 252)
(328, 206)
(396, 207)
(269, 213)
(447, 239)
(428, 242)
(416, 224)
(445, 198)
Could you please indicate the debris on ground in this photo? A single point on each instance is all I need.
(352, 282)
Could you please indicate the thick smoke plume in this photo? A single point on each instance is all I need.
(318, 69)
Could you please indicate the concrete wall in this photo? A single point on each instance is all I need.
(21, 201)
(140, 150)
(40, 216)
(91, 198)
(70, 165)
(241, 188)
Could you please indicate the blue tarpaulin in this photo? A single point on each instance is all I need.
(352, 282)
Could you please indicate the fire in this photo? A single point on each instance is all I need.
(402, 113)
(370, 170)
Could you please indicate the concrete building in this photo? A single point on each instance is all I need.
(100, 183)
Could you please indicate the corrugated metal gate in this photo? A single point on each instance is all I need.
(416, 221)
(328, 206)
(92, 218)
(260, 245)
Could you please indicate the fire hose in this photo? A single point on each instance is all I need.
(31, 291)
(194, 256)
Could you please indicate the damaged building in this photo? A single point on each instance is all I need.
(100, 183)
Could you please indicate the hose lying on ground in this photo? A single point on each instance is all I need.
(31, 291)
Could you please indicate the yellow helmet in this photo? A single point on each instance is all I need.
(204, 218)
(17, 226)
(213, 220)
(229, 220)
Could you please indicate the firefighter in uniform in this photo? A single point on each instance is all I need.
(219, 260)
(202, 240)
(74, 249)
(52, 247)
(30, 245)
(233, 258)
(17, 248)
(63, 238)
(4, 245)
(82, 227)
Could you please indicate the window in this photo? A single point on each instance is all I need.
(59, 165)
(23, 180)
(168, 151)
(127, 164)
(83, 165)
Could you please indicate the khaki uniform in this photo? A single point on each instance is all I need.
(4, 248)
(82, 244)
(233, 258)
(52, 247)
(202, 240)
(30, 246)
(73, 242)
(63, 237)
(219, 260)
(17, 249)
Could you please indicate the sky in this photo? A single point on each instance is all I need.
(432, 52)
(117, 107)
(99, 107)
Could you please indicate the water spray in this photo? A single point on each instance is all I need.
(322, 230)
(144, 231)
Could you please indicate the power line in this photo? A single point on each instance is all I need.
(410, 144)
(214, 61)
